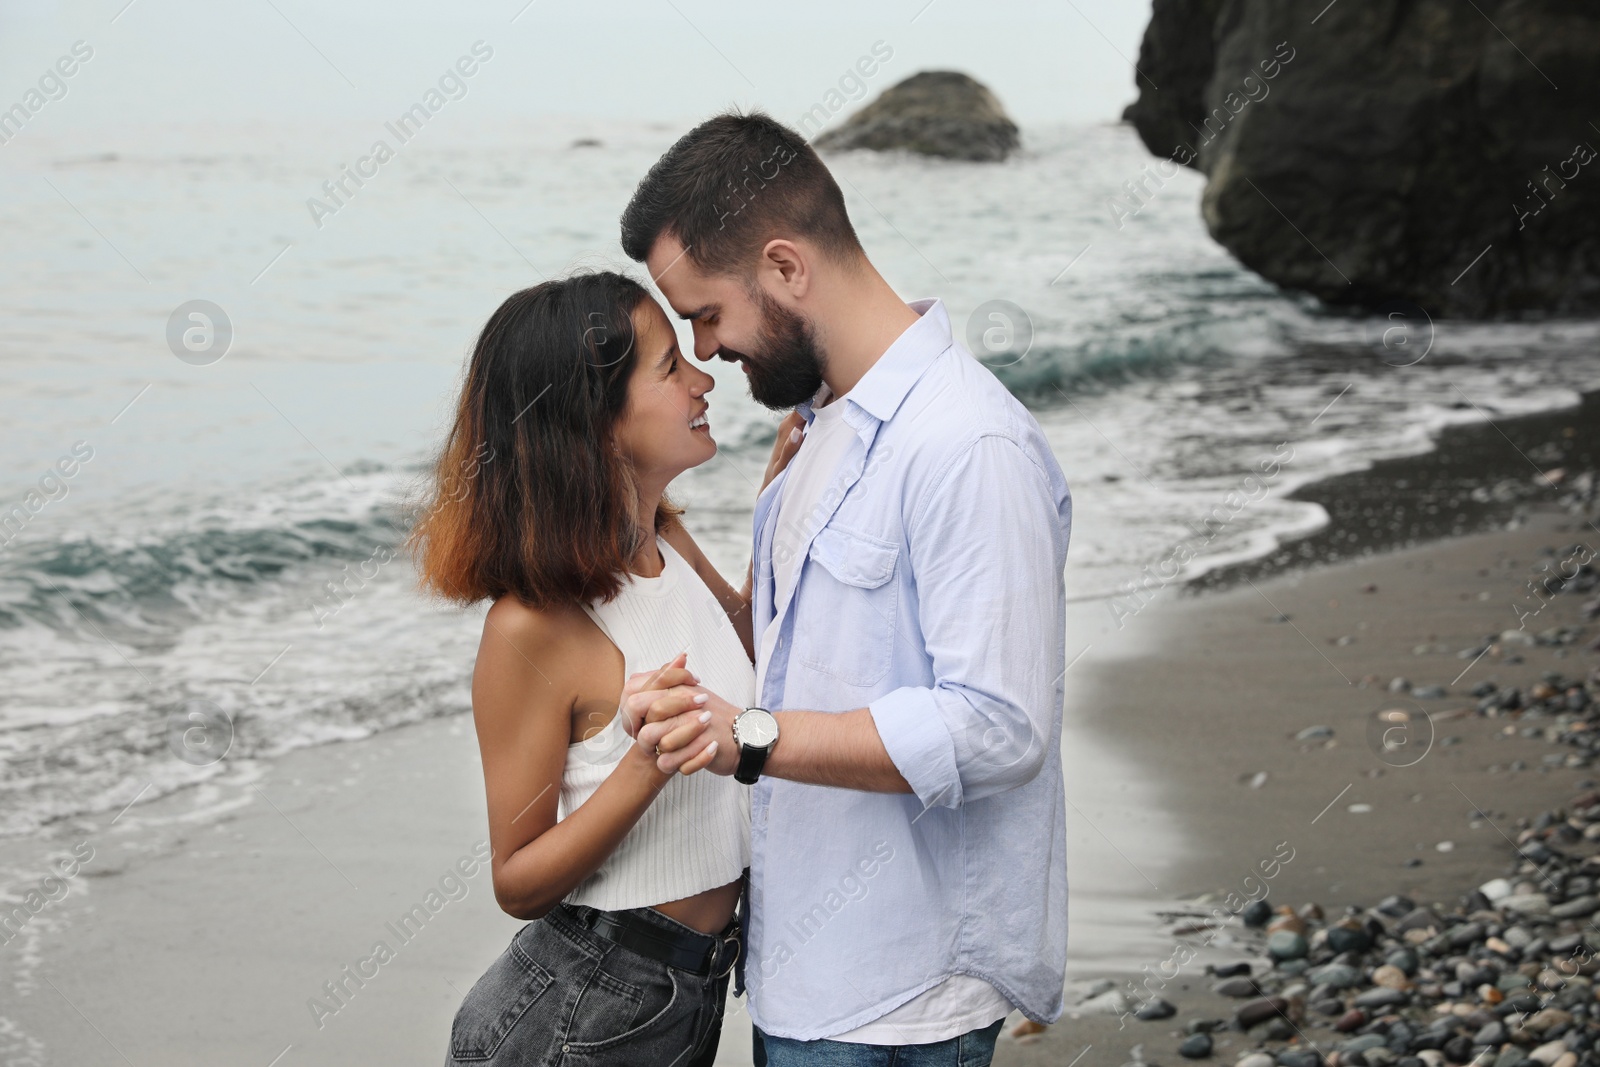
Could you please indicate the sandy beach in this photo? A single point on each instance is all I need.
(257, 902)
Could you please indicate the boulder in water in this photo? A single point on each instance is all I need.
(936, 113)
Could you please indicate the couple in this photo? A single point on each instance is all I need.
(859, 750)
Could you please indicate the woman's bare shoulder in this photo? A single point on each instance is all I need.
(548, 641)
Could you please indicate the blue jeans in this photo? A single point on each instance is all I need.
(975, 1048)
(561, 994)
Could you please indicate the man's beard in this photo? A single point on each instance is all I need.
(786, 368)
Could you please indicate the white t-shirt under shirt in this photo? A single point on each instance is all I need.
(961, 1002)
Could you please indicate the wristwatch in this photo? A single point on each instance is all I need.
(755, 731)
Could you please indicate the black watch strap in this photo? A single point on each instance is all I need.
(751, 760)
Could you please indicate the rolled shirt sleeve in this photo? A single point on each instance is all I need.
(987, 549)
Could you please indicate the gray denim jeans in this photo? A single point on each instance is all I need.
(560, 994)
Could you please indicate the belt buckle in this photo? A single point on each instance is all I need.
(721, 942)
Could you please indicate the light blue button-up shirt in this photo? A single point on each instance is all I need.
(931, 593)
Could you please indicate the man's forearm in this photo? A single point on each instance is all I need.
(843, 749)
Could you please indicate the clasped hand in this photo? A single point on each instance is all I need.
(663, 710)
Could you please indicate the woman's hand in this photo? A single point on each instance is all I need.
(664, 738)
(663, 708)
(791, 431)
(674, 672)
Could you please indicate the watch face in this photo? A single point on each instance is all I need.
(757, 728)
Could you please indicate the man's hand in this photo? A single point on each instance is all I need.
(791, 434)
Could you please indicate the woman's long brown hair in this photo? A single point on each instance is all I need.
(529, 494)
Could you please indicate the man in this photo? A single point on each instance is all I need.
(907, 885)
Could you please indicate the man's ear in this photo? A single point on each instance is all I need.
(785, 266)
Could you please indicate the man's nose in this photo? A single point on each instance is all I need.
(705, 344)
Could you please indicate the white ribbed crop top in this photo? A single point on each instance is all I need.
(695, 835)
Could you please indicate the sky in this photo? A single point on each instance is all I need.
(159, 62)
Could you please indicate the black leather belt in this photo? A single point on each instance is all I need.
(689, 951)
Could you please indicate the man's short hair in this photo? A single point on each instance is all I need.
(730, 185)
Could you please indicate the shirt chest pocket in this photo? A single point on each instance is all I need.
(847, 605)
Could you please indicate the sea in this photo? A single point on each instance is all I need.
(165, 616)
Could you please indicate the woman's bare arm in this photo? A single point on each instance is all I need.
(532, 668)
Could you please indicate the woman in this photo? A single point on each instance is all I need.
(577, 411)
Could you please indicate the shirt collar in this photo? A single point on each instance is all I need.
(879, 391)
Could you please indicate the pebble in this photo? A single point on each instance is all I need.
(1496, 888)
(1256, 913)
(1258, 1011)
(1577, 908)
(1299, 1058)
(1419, 919)
(1362, 1043)
(1348, 939)
(1527, 903)
(1353, 1019)
(1287, 921)
(1548, 1019)
(1286, 945)
(1381, 998)
(1335, 975)
(1156, 1008)
(1390, 978)
(1405, 959)
(1241, 986)
(1396, 906)
(1549, 1052)
(1256, 1059)
(1195, 1047)
(1098, 986)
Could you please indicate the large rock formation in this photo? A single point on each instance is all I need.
(937, 113)
(1435, 151)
